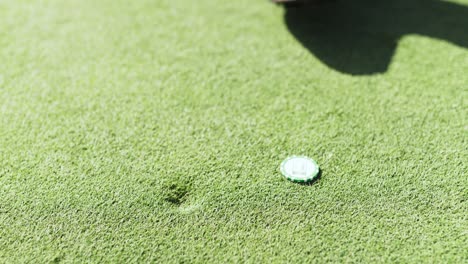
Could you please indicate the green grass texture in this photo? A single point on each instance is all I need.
(153, 131)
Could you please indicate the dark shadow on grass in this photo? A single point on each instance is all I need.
(359, 37)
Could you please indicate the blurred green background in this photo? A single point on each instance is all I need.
(138, 131)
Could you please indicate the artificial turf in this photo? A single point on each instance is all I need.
(136, 131)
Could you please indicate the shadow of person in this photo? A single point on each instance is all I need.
(360, 37)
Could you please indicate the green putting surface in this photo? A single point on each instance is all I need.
(136, 131)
